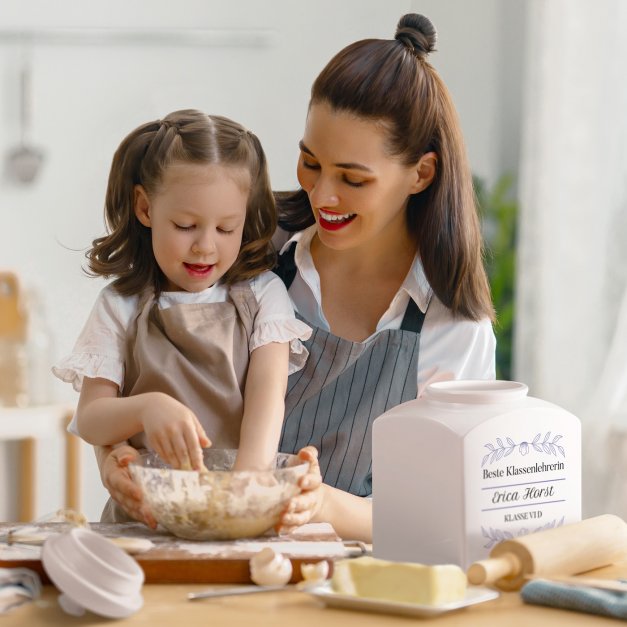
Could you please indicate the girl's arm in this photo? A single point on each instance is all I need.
(350, 515)
(172, 430)
(264, 406)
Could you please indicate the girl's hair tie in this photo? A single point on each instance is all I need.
(167, 124)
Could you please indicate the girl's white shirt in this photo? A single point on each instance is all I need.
(450, 348)
(100, 349)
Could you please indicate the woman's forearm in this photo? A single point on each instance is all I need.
(350, 515)
(102, 453)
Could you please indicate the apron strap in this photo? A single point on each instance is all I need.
(413, 318)
(286, 266)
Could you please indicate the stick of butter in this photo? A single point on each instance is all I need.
(399, 581)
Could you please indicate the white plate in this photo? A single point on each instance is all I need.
(324, 592)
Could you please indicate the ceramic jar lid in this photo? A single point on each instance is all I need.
(93, 574)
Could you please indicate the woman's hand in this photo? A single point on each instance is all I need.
(117, 479)
(305, 506)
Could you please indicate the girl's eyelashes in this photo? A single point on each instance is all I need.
(182, 227)
(310, 166)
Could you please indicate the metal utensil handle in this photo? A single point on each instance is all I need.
(356, 546)
(228, 592)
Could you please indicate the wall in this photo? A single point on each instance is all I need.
(479, 56)
(88, 96)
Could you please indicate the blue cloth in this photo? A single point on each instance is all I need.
(576, 598)
(17, 586)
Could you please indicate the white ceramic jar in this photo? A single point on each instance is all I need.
(467, 465)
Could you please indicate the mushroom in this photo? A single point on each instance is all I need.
(268, 568)
(315, 573)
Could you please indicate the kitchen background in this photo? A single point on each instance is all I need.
(540, 89)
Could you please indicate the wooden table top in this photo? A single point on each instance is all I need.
(168, 605)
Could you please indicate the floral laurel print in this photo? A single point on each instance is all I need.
(494, 536)
(551, 447)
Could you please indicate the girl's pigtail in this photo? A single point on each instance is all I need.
(126, 251)
(257, 252)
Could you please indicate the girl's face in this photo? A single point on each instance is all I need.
(358, 192)
(197, 219)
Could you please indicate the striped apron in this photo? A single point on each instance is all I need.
(332, 402)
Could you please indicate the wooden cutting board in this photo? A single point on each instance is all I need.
(174, 560)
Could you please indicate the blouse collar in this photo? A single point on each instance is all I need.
(415, 284)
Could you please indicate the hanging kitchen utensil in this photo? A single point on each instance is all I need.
(24, 161)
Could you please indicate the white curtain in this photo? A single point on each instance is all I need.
(571, 330)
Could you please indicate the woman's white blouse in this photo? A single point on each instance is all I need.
(100, 349)
(450, 348)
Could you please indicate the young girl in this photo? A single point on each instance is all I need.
(189, 345)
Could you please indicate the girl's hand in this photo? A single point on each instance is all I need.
(173, 432)
(305, 506)
(117, 479)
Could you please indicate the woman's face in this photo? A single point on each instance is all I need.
(358, 192)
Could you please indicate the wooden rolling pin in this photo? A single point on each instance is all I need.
(567, 550)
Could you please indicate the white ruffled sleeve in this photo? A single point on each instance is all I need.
(100, 348)
(275, 320)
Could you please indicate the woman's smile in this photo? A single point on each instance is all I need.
(332, 221)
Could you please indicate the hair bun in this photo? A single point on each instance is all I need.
(417, 33)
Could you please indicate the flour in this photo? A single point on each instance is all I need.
(218, 504)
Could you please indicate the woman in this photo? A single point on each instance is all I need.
(385, 264)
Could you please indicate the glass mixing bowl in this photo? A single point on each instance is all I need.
(220, 504)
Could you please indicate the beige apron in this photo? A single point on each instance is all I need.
(198, 354)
